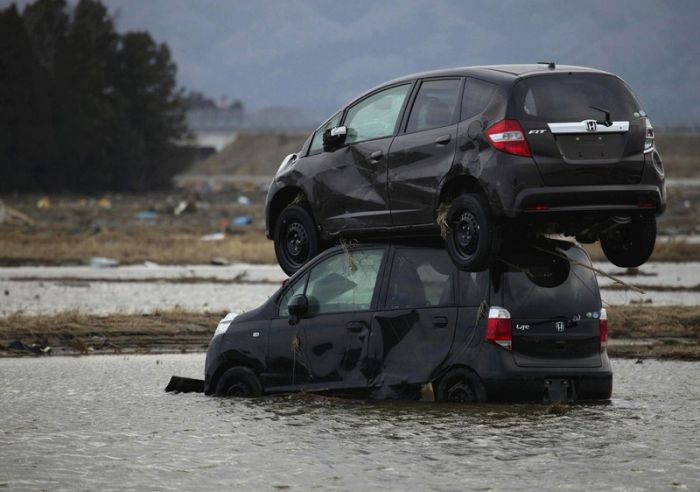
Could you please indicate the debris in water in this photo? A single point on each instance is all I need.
(242, 220)
(216, 236)
(179, 384)
(102, 262)
(219, 261)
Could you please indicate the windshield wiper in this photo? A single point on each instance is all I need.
(608, 121)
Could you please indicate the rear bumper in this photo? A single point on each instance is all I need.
(608, 198)
(532, 388)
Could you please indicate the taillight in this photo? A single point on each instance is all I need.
(498, 328)
(603, 327)
(508, 136)
(648, 137)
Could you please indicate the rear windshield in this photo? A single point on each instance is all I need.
(550, 287)
(563, 97)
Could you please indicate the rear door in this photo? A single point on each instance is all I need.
(422, 154)
(572, 142)
(555, 308)
(413, 332)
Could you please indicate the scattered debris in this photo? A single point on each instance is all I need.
(219, 261)
(102, 262)
(216, 236)
(641, 301)
(104, 202)
(185, 385)
(244, 200)
(184, 206)
(33, 348)
(242, 220)
(43, 203)
(147, 215)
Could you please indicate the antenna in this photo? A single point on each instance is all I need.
(550, 65)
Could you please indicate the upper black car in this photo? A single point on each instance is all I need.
(561, 149)
(384, 320)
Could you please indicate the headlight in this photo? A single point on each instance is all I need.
(224, 324)
(286, 161)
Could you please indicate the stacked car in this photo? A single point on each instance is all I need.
(443, 189)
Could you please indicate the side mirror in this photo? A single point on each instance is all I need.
(298, 306)
(334, 138)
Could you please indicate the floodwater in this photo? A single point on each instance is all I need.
(104, 422)
(241, 287)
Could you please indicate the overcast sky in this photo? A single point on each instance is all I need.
(318, 54)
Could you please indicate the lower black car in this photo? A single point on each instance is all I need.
(384, 320)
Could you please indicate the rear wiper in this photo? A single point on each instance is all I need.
(570, 322)
(608, 121)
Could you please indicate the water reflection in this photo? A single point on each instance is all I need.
(105, 423)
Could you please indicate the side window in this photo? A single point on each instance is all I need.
(420, 279)
(297, 288)
(375, 117)
(344, 282)
(435, 105)
(477, 96)
(317, 142)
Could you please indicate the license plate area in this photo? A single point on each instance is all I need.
(560, 390)
(591, 147)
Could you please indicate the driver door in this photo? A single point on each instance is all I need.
(351, 189)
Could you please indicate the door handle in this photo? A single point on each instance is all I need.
(440, 321)
(376, 155)
(443, 139)
(356, 326)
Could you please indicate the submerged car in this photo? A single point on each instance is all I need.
(385, 320)
(476, 154)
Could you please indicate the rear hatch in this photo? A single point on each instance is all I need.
(573, 143)
(555, 308)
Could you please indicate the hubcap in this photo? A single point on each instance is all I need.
(467, 232)
(461, 393)
(297, 242)
(239, 389)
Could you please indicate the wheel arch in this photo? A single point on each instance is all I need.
(458, 366)
(233, 359)
(284, 197)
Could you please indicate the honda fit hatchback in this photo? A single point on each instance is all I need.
(481, 155)
(384, 320)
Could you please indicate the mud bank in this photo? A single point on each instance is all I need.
(663, 332)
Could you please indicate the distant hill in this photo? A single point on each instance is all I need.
(251, 154)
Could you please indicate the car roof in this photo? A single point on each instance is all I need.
(504, 74)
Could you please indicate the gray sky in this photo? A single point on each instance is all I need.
(318, 54)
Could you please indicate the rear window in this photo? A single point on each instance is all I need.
(541, 285)
(563, 97)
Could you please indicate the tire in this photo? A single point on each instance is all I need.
(239, 382)
(473, 239)
(461, 386)
(296, 239)
(630, 245)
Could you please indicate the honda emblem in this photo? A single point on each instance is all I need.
(591, 125)
(559, 326)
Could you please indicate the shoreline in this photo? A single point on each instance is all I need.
(662, 332)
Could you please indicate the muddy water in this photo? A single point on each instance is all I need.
(100, 423)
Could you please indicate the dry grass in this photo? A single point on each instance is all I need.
(58, 246)
(674, 331)
(679, 153)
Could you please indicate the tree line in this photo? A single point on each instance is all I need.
(82, 107)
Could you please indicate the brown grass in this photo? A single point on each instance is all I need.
(679, 153)
(672, 332)
(58, 246)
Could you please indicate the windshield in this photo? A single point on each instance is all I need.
(565, 98)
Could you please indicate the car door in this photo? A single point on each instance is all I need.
(341, 290)
(350, 187)
(423, 153)
(413, 331)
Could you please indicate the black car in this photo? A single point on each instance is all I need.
(483, 155)
(385, 320)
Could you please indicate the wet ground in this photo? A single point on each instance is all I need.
(104, 423)
(240, 287)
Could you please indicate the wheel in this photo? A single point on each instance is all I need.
(240, 382)
(473, 239)
(630, 245)
(461, 386)
(296, 239)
